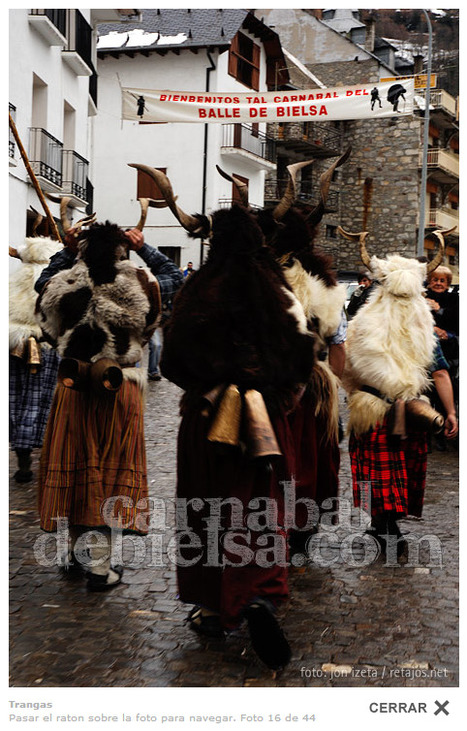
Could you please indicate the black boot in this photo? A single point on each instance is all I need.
(23, 474)
(267, 637)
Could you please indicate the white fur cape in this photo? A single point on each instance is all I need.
(390, 342)
(35, 253)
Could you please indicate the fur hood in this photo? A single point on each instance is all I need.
(35, 253)
(390, 344)
(318, 300)
(110, 320)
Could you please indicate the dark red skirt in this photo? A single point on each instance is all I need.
(388, 473)
(317, 457)
(241, 556)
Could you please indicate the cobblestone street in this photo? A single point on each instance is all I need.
(368, 625)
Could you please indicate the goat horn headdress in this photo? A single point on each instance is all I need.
(145, 203)
(190, 223)
(241, 187)
(289, 196)
(319, 210)
(66, 225)
(360, 237)
(431, 266)
(37, 220)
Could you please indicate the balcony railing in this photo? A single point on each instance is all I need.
(306, 193)
(443, 160)
(311, 133)
(57, 17)
(45, 154)
(93, 86)
(444, 218)
(78, 50)
(244, 137)
(75, 174)
(89, 197)
(11, 141)
(440, 99)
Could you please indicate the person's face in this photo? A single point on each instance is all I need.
(365, 282)
(438, 283)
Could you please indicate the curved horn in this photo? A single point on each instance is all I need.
(86, 221)
(190, 223)
(144, 203)
(241, 187)
(37, 221)
(63, 214)
(438, 259)
(319, 210)
(360, 237)
(13, 252)
(289, 196)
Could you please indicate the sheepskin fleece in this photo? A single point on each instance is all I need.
(35, 253)
(89, 321)
(318, 300)
(390, 342)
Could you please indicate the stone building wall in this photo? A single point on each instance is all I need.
(346, 73)
(379, 186)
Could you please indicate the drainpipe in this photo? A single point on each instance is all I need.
(421, 223)
(209, 69)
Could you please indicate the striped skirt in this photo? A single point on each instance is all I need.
(93, 462)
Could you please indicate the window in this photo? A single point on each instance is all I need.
(173, 252)
(244, 56)
(331, 232)
(147, 186)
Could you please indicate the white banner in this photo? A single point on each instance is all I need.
(352, 102)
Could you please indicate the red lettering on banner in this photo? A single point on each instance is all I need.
(201, 113)
(163, 97)
(280, 111)
(253, 112)
(322, 110)
(263, 112)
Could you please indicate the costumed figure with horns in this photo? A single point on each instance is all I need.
(312, 278)
(390, 354)
(33, 363)
(238, 344)
(99, 309)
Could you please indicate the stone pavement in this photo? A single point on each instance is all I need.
(349, 625)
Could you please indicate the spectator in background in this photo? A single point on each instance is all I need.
(444, 306)
(188, 269)
(361, 294)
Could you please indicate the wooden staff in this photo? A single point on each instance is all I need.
(34, 180)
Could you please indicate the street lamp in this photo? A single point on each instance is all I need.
(421, 223)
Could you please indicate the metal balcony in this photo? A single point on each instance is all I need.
(75, 174)
(443, 161)
(78, 50)
(321, 140)
(11, 141)
(443, 218)
(440, 99)
(307, 193)
(50, 24)
(45, 155)
(246, 138)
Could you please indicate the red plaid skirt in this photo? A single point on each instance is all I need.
(388, 473)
